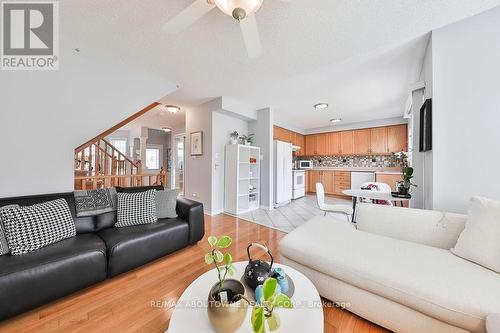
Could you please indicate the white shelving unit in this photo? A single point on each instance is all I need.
(242, 179)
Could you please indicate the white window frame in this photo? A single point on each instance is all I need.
(160, 148)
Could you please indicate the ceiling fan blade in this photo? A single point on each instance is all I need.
(188, 16)
(251, 36)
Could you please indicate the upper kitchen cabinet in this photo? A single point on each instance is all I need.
(321, 146)
(347, 143)
(333, 143)
(282, 134)
(362, 141)
(311, 145)
(397, 138)
(378, 140)
(299, 140)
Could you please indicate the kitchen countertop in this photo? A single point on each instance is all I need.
(384, 171)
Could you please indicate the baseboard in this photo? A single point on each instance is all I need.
(217, 212)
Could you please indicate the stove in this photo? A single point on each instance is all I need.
(298, 184)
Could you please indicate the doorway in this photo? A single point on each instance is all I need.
(179, 159)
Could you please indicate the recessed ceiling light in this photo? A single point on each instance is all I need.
(172, 108)
(166, 129)
(321, 106)
(336, 120)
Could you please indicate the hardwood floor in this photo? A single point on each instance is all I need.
(125, 303)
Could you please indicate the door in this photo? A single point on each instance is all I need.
(378, 140)
(321, 144)
(346, 143)
(283, 192)
(333, 143)
(362, 141)
(327, 179)
(397, 138)
(314, 177)
(177, 180)
(310, 145)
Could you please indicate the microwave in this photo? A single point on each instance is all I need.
(305, 164)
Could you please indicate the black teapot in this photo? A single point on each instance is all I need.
(257, 271)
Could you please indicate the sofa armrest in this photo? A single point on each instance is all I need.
(428, 227)
(192, 212)
(493, 323)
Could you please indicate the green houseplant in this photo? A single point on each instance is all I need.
(227, 306)
(264, 311)
(234, 137)
(404, 186)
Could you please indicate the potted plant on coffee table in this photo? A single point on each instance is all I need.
(227, 306)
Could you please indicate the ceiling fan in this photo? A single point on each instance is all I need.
(241, 10)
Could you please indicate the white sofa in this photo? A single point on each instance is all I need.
(396, 269)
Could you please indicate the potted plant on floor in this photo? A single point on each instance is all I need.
(227, 306)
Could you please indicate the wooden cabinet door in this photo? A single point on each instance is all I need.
(327, 179)
(314, 177)
(310, 145)
(300, 141)
(321, 144)
(286, 135)
(378, 140)
(389, 179)
(333, 143)
(362, 142)
(277, 133)
(346, 143)
(397, 138)
(342, 182)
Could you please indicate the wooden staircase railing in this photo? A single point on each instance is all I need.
(99, 164)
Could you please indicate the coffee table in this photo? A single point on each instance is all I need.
(190, 314)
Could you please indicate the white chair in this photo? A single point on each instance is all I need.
(329, 208)
(379, 187)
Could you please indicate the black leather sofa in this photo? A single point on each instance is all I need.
(98, 251)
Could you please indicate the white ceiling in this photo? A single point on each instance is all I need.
(360, 56)
(157, 118)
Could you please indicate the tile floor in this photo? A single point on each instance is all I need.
(291, 216)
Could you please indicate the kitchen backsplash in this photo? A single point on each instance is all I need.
(352, 161)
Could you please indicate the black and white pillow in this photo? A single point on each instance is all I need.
(32, 227)
(4, 246)
(136, 208)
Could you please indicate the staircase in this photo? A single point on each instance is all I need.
(99, 164)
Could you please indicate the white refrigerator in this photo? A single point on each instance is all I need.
(283, 163)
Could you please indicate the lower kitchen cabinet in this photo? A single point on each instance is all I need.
(389, 179)
(313, 177)
(334, 182)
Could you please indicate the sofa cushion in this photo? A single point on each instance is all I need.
(94, 202)
(166, 201)
(480, 240)
(39, 277)
(30, 228)
(426, 279)
(133, 246)
(136, 208)
(4, 245)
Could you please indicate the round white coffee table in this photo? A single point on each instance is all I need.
(190, 314)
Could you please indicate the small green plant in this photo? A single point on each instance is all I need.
(234, 135)
(223, 262)
(244, 139)
(402, 160)
(271, 300)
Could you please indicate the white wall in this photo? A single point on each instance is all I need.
(45, 115)
(466, 115)
(222, 125)
(263, 130)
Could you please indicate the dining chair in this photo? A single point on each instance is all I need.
(331, 208)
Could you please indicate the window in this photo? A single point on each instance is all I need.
(120, 144)
(153, 158)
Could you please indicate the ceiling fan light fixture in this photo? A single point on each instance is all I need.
(172, 108)
(239, 9)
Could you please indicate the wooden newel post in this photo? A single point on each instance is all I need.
(163, 178)
(139, 172)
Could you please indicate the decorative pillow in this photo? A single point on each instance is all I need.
(480, 240)
(4, 246)
(30, 228)
(94, 202)
(136, 208)
(166, 201)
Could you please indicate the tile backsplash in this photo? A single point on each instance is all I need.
(374, 161)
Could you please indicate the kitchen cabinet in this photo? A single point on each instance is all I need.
(342, 182)
(311, 145)
(333, 143)
(321, 148)
(346, 143)
(362, 142)
(389, 179)
(313, 177)
(298, 140)
(378, 140)
(282, 134)
(397, 138)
